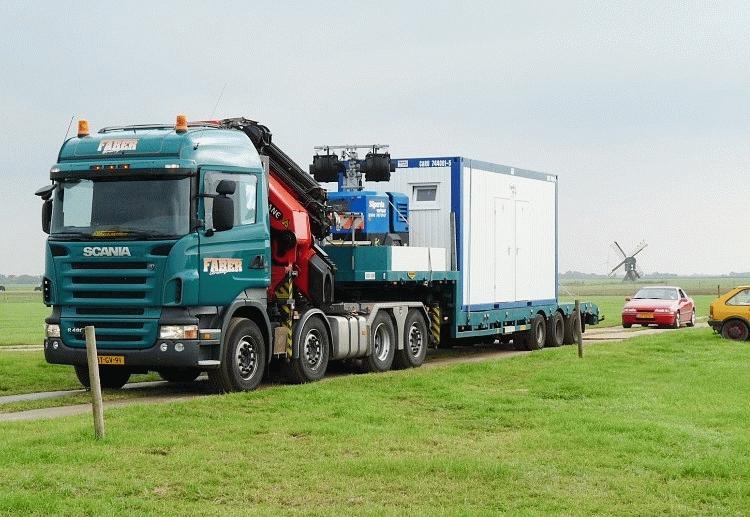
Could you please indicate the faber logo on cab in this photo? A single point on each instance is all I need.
(117, 146)
(222, 266)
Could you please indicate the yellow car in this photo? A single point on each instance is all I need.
(730, 314)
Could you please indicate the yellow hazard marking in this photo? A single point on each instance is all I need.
(435, 318)
(285, 223)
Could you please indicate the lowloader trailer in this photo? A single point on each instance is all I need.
(204, 247)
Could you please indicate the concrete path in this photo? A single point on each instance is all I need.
(21, 348)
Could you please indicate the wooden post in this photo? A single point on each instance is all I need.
(96, 387)
(578, 329)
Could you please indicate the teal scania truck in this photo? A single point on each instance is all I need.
(203, 247)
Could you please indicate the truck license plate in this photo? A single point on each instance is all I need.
(111, 359)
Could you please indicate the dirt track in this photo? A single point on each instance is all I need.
(176, 392)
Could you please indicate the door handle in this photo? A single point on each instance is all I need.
(258, 262)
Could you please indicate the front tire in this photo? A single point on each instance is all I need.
(735, 330)
(110, 377)
(415, 341)
(691, 323)
(243, 360)
(676, 323)
(382, 344)
(314, 351)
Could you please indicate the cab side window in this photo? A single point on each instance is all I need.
(245, 196)
(741, 298)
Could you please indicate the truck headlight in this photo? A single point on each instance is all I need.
(51, 330)
(178, 332)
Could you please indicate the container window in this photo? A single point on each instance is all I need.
(424, 193)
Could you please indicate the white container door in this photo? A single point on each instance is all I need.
(524, 281)
(505, 255)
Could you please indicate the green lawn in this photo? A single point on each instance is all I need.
(27, 372)
(652, 425)
(22, 316)
(616, 287)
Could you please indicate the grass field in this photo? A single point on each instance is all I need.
(616, 287)
(27, 372)
(22, 316)
(652, 425)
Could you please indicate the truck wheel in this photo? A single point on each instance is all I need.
(415, 342)
(571, 329)
(735, 329)
(179, 374)
(314, 350)
(382, 344)
(555, 330)
(537, 334)
(243, 360)
(110, 377)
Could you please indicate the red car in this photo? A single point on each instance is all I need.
(663, 306)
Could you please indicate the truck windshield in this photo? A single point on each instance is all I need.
(153, 208)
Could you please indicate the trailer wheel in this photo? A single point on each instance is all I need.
(537, 334)
(415, 341)
(314, 350)
(382, 344)
(555, 330)
(110, 377)
(571, 329)
(179, 374)
(243, 360)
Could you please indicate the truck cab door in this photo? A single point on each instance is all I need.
(239, 258)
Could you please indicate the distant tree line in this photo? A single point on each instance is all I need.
(577, 275)
(20, 279)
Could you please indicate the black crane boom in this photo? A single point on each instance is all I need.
(307, 191)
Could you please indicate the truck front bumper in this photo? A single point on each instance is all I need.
(195, 354)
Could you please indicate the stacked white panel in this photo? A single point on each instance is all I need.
(508, 237)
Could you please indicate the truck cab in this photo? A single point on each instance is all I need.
(153, 232)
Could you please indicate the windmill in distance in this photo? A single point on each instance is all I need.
(632, 272)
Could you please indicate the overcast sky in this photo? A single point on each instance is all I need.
(641, 108)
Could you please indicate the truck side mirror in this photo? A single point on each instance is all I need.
(222, 212)
(226, 187)
(46, 215)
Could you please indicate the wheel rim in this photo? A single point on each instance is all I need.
(677, 320)
(382, 342)
(416, 340)
(736, 330)
(313, 349)
(246, 358)
(692, 318)
(539, 335)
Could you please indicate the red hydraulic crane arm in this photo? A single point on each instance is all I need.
(298, 212)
